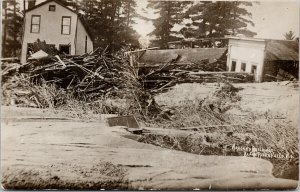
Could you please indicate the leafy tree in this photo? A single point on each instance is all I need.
(289, 35)
(170, 13)
(217, 19)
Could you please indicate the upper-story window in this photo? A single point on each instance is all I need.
(35, 24)
(66, 25)
(51, 7)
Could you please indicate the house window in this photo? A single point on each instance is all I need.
(51, 7)
(35, 24)
(65, 49)
(243, 67)
(66, 25)
(233, 65)
(253, 69)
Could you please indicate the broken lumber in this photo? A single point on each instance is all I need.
(209, 126)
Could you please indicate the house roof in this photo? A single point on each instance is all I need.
(195, 55)
(282, 50)
(65, 6)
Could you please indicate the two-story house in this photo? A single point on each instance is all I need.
(59, 26)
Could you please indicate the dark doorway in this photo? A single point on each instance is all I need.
(65, 49)
(243, 67)
(233, 66)
(253, 69)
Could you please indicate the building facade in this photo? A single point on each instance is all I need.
(246, 55)
(57, 25)
(262, 57)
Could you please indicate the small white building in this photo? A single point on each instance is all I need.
(57, 25)
(262, 57)
(246, 55)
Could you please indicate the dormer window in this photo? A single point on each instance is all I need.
(52, 8)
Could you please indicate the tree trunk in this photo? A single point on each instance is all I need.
(168, 30)
(128, 14)
(5, 28)
(234, 17)
(24, 7)
(15, 30)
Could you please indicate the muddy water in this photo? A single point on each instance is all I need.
(282, 168)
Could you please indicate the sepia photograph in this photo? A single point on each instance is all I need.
(149, 95)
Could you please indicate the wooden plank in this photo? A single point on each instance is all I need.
(219, 72)
(208, 126)
(128, 121)
(10, 59)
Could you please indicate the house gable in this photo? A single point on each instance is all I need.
(47, 20)
(63, 6)
(50, 24)
(50, 27)
(49, 1)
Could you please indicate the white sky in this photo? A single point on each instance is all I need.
(272, 19)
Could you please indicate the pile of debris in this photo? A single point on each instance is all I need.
(94, 74)
(159, 78)
(97, 75)
(282, 75)
(89, 77)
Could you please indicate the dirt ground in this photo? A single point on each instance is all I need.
(281, 98)
(42, 149)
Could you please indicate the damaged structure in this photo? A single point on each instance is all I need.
(262, 59)
(205, 59)
(62, 27)
(266, 59)
(161, 69)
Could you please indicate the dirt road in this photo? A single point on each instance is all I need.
(69, 153)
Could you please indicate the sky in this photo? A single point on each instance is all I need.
(272, 18)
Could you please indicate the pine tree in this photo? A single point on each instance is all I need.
(217, 19)
(170, 13)
(111, 22)
(12, 24)
(289, 35)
